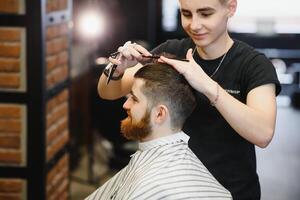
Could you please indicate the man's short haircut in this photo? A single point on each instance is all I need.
(164, 85)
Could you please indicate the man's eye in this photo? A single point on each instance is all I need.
(206, 14)
(186, 14)
(134, 99)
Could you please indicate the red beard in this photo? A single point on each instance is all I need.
(136, 130)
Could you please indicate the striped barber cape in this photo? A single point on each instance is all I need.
(164, 168)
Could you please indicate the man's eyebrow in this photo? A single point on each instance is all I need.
(199, 9)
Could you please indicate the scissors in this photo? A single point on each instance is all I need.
(112, 67)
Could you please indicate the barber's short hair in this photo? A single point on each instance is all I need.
(164, 85)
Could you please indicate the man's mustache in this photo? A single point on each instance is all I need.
(128, 113)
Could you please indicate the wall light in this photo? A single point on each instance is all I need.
(91, 24)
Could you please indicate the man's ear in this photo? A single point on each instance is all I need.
(231, 6)
(160, 114)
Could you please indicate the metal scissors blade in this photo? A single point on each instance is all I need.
(112, 68)
(157, 57)
(114, 54)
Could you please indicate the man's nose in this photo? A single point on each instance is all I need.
(196, 23)
(126, 104)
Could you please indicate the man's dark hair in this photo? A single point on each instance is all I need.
(163, 84)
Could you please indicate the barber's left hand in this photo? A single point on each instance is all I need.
(193, 73)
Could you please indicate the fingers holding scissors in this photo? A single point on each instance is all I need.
(133, 51)
(127, 56)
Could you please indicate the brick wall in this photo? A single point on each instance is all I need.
(12, 59)
(15, 62)
(12, 134)
(12, 189)
(12, 6)
(58, 181)
(56, 5)
(57, 129)
(57, 54)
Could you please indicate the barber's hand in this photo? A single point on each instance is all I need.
(193, 73)
(130, 55)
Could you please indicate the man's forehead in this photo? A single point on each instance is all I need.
(137, 87)
(137, 83)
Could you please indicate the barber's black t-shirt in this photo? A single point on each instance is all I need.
(228, 156)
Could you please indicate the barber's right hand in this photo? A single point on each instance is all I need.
(129, 55)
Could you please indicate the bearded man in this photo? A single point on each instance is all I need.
(163, 167)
